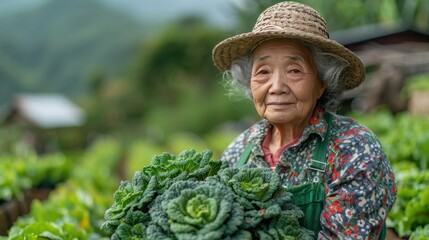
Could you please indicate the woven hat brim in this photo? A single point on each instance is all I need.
(240, 45)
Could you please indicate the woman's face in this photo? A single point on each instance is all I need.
(284, 82)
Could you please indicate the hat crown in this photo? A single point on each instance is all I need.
(286, 16)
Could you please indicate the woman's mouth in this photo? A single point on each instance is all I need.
(278, 104)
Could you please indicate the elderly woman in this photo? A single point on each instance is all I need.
(295, 75)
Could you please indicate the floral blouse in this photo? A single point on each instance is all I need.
(358, 180)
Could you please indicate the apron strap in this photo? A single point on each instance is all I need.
(245, 155)
(318, 161)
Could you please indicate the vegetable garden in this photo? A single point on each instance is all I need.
(87, 200)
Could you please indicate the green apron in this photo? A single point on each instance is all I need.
(309, 197)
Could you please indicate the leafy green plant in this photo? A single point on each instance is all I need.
(259, 193)
(49, 170)
(196, 210)
(69, 213)
(191, 196)
(153, 180)
(75, 208)
(21, 173)
(47, 230)
(13, 179)
(421, 233)
(412, 205)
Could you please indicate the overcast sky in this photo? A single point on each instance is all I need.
(218, 11)
(213, 9)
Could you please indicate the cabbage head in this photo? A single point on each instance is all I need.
(268, 211)
(197, 210)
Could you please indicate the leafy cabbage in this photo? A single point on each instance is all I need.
(195, 210)
(191, 196)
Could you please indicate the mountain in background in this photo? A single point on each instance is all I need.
(9, 7)
(58, 45)
(216, 12)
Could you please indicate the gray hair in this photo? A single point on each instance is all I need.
(330, 69)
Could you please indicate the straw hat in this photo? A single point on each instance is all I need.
(289, 20)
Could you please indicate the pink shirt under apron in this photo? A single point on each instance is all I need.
(270, 159)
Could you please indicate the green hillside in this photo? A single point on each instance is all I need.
(58, 45)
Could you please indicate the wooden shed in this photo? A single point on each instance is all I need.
(392, 53)
(44, 122)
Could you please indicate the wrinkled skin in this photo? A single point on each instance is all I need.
(285, 87)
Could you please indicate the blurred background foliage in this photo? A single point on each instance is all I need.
(143, 78)
(342, 14)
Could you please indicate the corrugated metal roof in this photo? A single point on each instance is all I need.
(368, 32)
(49, 110)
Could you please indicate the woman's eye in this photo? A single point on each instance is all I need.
(262, 71)
(295, 70)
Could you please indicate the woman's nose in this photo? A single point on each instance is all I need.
(279, 84)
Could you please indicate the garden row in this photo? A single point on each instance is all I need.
(12, 209)
(79, 192)
(24, 180)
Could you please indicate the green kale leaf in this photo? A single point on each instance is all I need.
(268, 210)
(196, 210)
